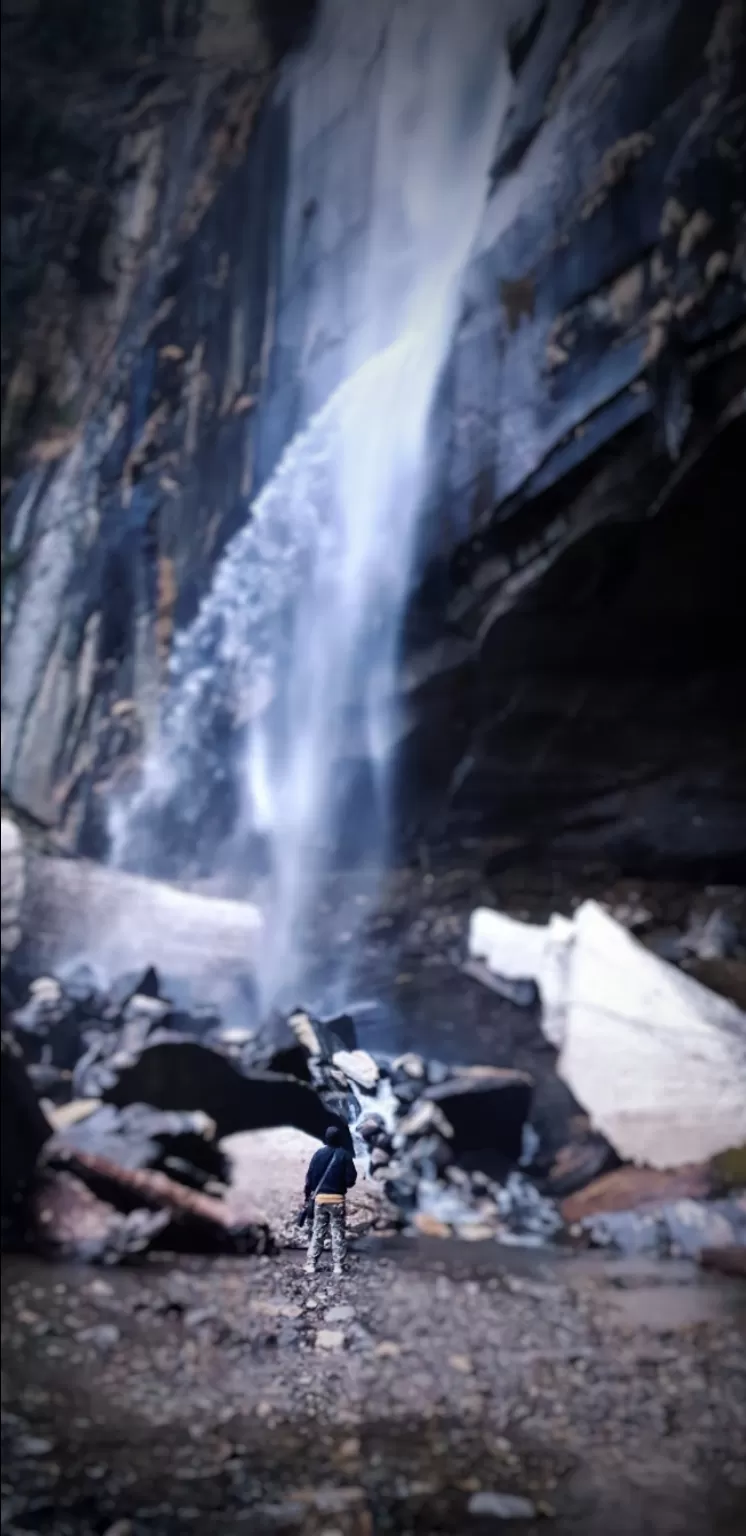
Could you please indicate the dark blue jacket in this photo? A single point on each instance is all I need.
(331, 1171)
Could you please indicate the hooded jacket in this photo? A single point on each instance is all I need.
(331, 1171)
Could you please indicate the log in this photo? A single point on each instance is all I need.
(156, 1191)
(68, 910)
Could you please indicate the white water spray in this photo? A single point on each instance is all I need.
(300, 632)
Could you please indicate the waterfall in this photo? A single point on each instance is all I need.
(296, 644)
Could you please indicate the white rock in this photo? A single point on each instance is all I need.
(502, 1506)
(74, 908)
(302, 1027)
(410, 1063)
(46, 989)
(656, 1059)
(510, 948)
(330, 1339)
(423, 1118)
(341, 1314)
(526, 951)
(359, 1067)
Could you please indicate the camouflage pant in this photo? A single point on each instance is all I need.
(328, 1219)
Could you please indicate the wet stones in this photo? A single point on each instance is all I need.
(359, 1067)
(321, 1038)
(370, 1128)
(424, 1118)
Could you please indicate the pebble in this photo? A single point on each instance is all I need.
(330, 1338)
(102, 1336)
(33, 1445)
(340, 1314)
(461, 1363)
(502, 1506)
(100, 1288)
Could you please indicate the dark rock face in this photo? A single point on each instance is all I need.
(582, 700)
(597, 716)
(573, 651)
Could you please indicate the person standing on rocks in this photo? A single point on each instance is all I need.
(331, 1172)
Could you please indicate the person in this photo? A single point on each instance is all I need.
(331, 1172)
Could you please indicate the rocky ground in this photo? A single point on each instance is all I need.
(233, 1395)
(438, 1383)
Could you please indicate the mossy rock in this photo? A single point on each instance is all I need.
(729, 1168)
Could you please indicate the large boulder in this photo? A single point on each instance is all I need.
(70, 1222)
(181, 1074)
(656, 1060)
(63, 910)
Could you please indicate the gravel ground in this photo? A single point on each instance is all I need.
(222, 1396)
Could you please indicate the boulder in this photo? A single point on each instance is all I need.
(51, 1025)
(72, 908)
(43, 1009)
(359, 1067)
(424, 1118)
(370, 1128)
(656, 1060)
(181, 1074)
(289, 1061)
(321, 1038)
(197, 1221)
(178, 1142)
(630, 1189)
(578, 1164)
(411, 1065)
(683, 1227)
(70, 1222)
(485, 1113)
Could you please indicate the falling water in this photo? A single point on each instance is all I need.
(298, 637)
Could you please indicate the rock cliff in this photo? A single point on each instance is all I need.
(183, 209)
